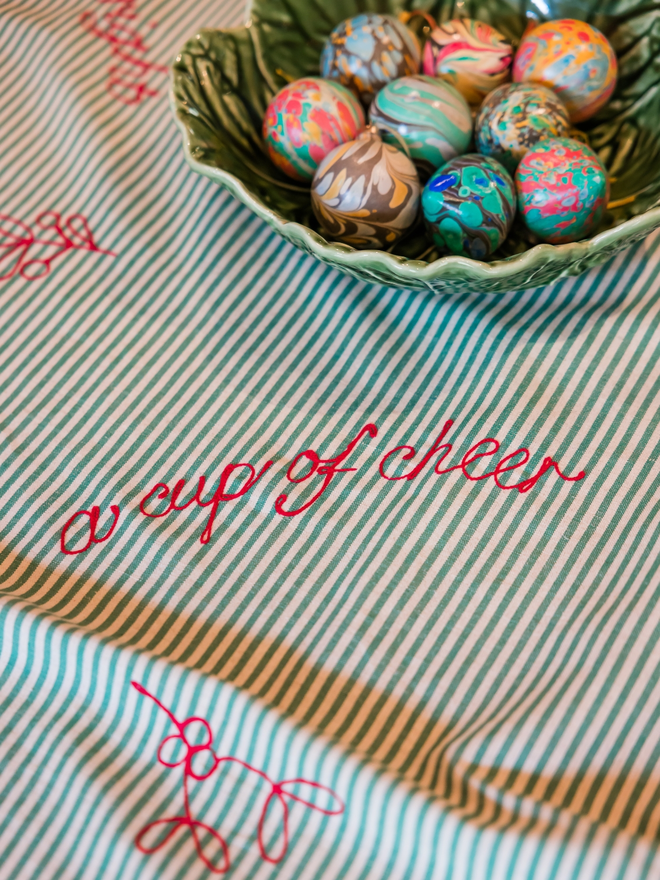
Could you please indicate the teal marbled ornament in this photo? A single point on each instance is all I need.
(563, 190)
(515, 117)
(469, 205)
(424, 117)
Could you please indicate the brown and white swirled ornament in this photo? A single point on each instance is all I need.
(366, 193)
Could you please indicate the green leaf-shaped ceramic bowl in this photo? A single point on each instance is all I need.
(224, 80)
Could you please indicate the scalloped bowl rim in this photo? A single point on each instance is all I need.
(404, 269)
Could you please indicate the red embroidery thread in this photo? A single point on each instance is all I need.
(468, 458)
(529, 483)
(436, 447)
(161, 490)
(471, 456)
(326, 468)
(93, 515)
(15, 245)
(128, 77)
(276, 794)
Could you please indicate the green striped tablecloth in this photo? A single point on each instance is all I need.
(463, 671)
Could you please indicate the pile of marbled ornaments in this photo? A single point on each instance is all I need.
(414, 147)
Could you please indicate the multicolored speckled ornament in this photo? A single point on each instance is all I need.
(515, 117)
(469, 205)
(368, 51)
(562, 190)
(366, 193)
(425, 117)
(574, 59)
(471, 55)
(306, 120)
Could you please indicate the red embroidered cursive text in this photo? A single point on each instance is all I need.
(161, 491)
(129, 75)
(277, 796)
(489, 446)
(312, 465)
(93, 515)
(324, 467)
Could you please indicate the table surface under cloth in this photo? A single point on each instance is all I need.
(431, 678)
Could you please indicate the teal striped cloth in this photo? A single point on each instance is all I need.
(406, 628)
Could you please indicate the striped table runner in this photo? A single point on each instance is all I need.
(405, 627)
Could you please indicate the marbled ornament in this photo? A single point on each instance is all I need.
(471, 55)
(574, 59)
(515, 117)
(425, 117)
(366, 193)
(469, 205)
(368, 51)
(306, 120)
(562, 190)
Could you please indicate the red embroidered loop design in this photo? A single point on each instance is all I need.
(326, 468)
(128, 75)
(277, 795)
(18, 240)
(184, 822)
(93, 515)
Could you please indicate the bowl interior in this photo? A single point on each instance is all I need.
(224, 80)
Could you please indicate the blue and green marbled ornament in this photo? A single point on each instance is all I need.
(425, 117)
(369, 50)
(469, 205)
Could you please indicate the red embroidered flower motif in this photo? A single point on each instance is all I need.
(50, 239)
(130, 72)
(191, 748)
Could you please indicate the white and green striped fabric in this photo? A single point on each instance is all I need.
(467, 678)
